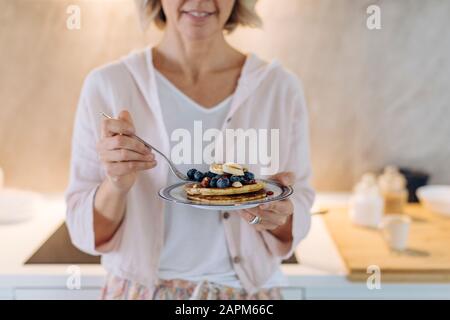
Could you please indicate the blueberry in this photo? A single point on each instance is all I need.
(213, 182)
(191, 173)
(249, 176)
(210, 174)
(236, 179)
(198, 176)
(223, 183)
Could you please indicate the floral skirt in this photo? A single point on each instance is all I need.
(121, 289)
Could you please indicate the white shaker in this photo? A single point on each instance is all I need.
(393, 188)
(366, 203)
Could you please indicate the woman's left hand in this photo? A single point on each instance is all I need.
(276, 217)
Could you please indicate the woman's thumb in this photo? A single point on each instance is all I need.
(285, 178)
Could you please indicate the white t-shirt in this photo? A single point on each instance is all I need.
(195, 246)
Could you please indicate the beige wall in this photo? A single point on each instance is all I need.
(375, 97)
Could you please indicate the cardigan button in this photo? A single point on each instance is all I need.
(226, 215)
(229, 120)
(236, 259)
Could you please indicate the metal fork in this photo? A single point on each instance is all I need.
(173, 168)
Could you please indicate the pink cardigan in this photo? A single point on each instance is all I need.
(267, 96)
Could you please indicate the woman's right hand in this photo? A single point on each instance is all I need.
(121, 155)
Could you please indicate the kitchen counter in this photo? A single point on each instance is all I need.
(321, 273)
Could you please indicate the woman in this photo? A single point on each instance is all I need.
(157, 250)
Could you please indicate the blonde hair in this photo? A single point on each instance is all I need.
(243, 14)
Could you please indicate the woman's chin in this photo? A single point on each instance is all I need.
(195, 33)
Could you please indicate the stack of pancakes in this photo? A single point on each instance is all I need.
(225, 196)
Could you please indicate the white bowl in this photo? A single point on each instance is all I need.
(17, 205)
(435, 198)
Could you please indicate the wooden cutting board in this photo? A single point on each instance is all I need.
(427, 258)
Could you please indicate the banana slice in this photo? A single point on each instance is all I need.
(233, 168)
(216, 168)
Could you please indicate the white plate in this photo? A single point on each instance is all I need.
(176, 193)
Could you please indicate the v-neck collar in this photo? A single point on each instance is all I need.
(189, 100)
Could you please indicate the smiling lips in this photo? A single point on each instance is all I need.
(198, 14)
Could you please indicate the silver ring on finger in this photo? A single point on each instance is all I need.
(255, 220)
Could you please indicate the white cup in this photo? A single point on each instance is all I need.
(395, 228)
